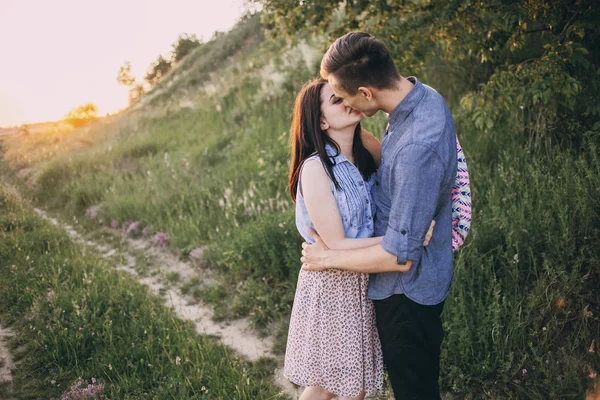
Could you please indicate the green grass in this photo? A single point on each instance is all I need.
(78, 318)
(523, 295)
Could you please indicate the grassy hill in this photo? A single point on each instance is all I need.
(204, 158)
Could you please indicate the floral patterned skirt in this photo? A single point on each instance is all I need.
(332, 339)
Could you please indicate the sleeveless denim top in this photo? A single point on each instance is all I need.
(353, 199)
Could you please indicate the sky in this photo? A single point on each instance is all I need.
(58, 54)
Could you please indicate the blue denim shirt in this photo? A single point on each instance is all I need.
(353, 199)
(413, 187)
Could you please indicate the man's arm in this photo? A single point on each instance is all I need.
(373, 259)
(418, 173)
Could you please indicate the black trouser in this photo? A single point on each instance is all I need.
(411, 335)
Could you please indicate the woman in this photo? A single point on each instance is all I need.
(333, 347)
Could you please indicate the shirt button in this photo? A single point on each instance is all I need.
(367, 201)
(369, 217)
(361, 183)
(403, 231)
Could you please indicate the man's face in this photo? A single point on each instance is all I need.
(356, 101)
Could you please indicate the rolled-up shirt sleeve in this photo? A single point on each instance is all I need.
(416, 175)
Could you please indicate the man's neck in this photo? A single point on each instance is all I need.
(390, 98)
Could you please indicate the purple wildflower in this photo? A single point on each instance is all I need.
(78, 392)
(133, 227)
(114, 224)
(146, 231)
(161, 238)
(523, 372)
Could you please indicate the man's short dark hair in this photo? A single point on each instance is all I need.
(358, 59)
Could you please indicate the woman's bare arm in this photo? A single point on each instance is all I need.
(323, 210)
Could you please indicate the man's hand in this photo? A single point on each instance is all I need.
(314, 255)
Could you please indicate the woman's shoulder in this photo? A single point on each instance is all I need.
(313, 168)
(313, 176)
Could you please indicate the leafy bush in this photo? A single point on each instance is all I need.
(183, 46)
(260, 264)
(157, 70)
(266, 248)
(523, 297)
(532, 61)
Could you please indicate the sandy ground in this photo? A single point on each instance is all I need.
(6, 360)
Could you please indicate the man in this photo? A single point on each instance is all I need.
(413, 187)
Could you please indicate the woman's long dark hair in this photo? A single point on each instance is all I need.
(307, 137)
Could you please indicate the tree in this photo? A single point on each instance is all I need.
(183, 46)
(534, 62)
(125, 77)
(82, 115)
(136, 92)
(157, 70)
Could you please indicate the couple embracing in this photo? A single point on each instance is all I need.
(381, 222)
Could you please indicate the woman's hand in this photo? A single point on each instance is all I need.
(429, 233)
(314, 255)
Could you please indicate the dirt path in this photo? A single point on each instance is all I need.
(6, 361)
(236, 334)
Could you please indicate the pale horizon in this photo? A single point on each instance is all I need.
(59, 55)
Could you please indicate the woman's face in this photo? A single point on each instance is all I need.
(336, 115)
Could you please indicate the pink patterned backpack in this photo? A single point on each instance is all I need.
(461, 201)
